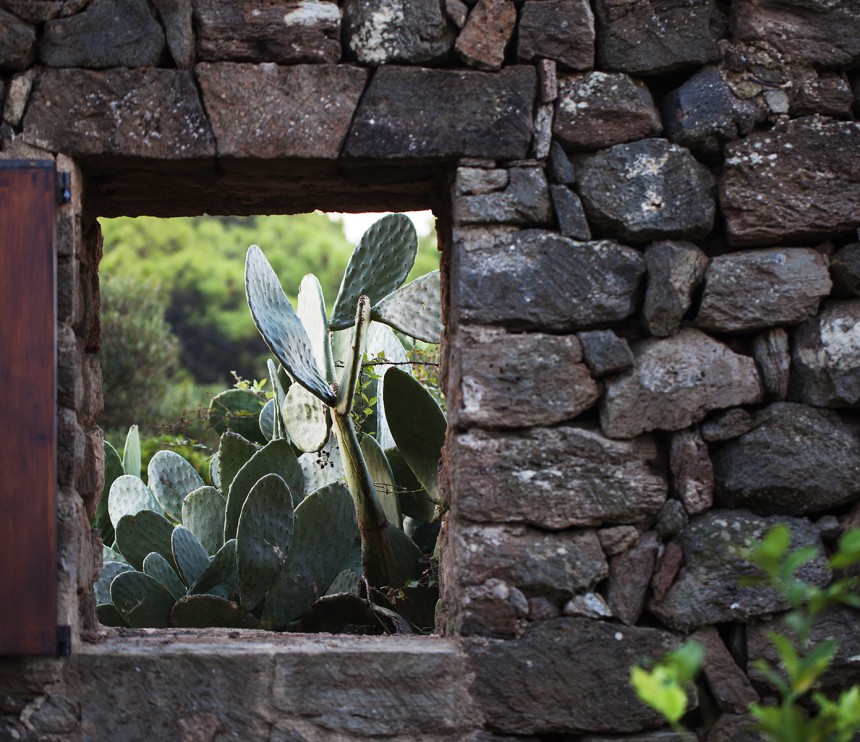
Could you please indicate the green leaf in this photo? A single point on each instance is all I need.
(660, 689)
(415, 309)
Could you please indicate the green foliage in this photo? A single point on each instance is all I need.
(665, 686)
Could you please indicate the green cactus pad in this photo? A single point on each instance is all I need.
(383, 479)
(101, 587)
(378, 265)
(307, 419)
(171, 478)
(203, 514)
(418, 426)
(215, 470)
(311, 311)
(401, 560)
(129, 495)
(237, 410)
(204, 611)
(323, 467)
(346, 582)
(414, 500)
(189, 555)
(381, 339)
(158, 567)
(234, 452)
(220, 577)
(280, 326)
(415, 309)
(112, 555)
(142, 600)
(322, 538)
(108, 615)
(131, 453)
(138, 535)
(267, 420)
(263, 538)
(276, 457)
(113, 471)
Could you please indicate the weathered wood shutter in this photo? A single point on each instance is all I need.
(28, 447)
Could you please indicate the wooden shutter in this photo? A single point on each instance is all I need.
(28, 569)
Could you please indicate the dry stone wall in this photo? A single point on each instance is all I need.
(649, 212)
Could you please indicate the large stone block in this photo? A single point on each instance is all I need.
(522, 196)
(148, 113)
(506, 380)
(561, 30)
(267, 111)
(555, 477)
(675, 270)
(531, 279)
(277, 31)
(409, 113)
(795, 183)
(565, 676)
(17, 42)
(675, 382)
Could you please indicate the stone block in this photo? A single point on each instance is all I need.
(397, 32)
(265, 111)
(735, 728)
(617, 539)
(605, 352)
(771, 353)
(726, 424)
(667, 569)
(588, 605)
(548, 79)
(91, 478)
(408, 113)
(555, 477)
(647, 190)
(671, 519)
(629, 578)
(542, 131)
(70, 383)
(569, 213)
(829, 94)
(675, 382)
(675, 270)
(492, 609)
(69, 301)
(71, 444)
(16, 98)
(559, 168)
(728, 682)
(17, 42)
(767, 196)
(147, 113)
(524, 199)
(282, 31)
(598, 109)
(757, 289)
(37, 11)
(845, 269)
(176, 15)
(457, 12)
(561, 30)
(506, 380)
(532, 279)
(692, 471)
(484, 38)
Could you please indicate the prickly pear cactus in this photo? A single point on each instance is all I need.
(171, 478)
(414, 309)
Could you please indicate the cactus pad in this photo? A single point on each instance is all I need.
(383, 479)
(203, 611)
(307, 419)
(189, 555)
(137, 535)
(346, 582)
(311, 311)
(415, 309)
(323, 467)
(131, 452)
(220, 577)
(129, 495)
(237, 410)
(234, 452)
(109, 616)
(113, 470)
(112, 555)
(203, 514)
(102, 584)
(158, 567)
(171, 478)
(141, 600)
(267, 420)
(414, 500)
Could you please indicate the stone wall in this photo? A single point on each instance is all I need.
(648, 212)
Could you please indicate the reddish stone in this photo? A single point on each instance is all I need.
(692, 471)
(667, 569)
(561, 30)
(629, 577)
(729, 684)
(487, 32)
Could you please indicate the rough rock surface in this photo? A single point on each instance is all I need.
(735, 728)
(616, 539)
(671, 519)
(667, 569)
(827, 94)
(562, 30)
(569, 213)
(675, 270)
(539, 380)
(707, 590)
(409, 112)
(532, 279)
(108, 33)
(17, 42)
(555, 477)
(796, 460)
(825, 359)
(599, 109)
(651, 36)
(729, 684)
(491, 609)
(675, 382)
(845, 269)
(524, 198)
(605, 352)
(647, 190)
(176, 16)
(771, 353)
(245, 31)
(485, 36)
(629, 577)
(396, 31)
(80, 112)
(559, 167)
(587, 605)
(268, 111)
(727, 424)
(794, 183)
(568, 675)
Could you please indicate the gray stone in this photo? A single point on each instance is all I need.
(542, 131)
(569, 213)
(708, 587)
(555, 477)
(562, 30)
(647, 190)
(599, 109)
(523, 200)
(559, 168)
(457, 12)
(538, 379)
(796, 460)
(566, 676)
(282, 32)
(267, 111)
(728, 682)
(109, 33)
(629, 577)
(770, 350)
(16, 99)
(766, 193)
(845, 269)
(408, 113)
(675, 382)
(616, 539)
(532, 279)
(552, 565)
(176, 17)
(491, 609)
(704, 113)
(17, 42)
(675, 270)
(692, 471)
(735, 728)
(727, 424)
(36, 11)
(652, 36)
(589, 605)
(820, 33)
(543, 609)
(81, 113)
(485, 36)
(605, 352)
(57, 715)
(829, 94)
(825, 358)
(396, 31)
(757, 289)
(671, 519)
(475, 181)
